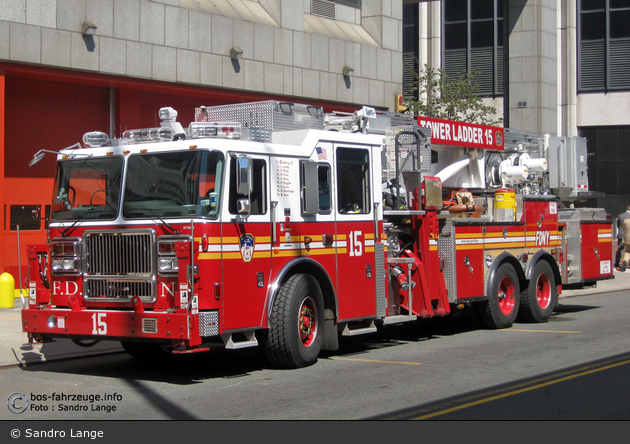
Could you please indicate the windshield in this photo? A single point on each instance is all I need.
(173, 185)
(87, 188)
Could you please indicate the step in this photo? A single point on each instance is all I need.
(347, 331)
(230, 344)
(399, 319)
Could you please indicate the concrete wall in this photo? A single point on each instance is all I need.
(603, 109)
(286, 50)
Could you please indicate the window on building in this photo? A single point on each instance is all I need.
(410, 50)
(603, 45)
(472, 39)
(28, 217)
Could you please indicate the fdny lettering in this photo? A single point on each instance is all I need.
(71, 288)
(542, 237)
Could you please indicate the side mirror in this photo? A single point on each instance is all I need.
(242, 206)
(244, 175)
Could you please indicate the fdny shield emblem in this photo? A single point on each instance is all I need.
(247, 242)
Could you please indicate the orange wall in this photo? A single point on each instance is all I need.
(40, 115)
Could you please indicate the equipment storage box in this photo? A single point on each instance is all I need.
(270, 114)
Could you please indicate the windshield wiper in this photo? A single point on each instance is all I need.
(63, 233)
(173, 231)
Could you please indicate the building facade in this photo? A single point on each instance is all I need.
(557, 67)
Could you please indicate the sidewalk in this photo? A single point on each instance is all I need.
(16, 351)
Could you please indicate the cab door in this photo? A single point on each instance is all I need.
(246, 238)
(355, 232)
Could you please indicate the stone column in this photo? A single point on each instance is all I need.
(532, 99)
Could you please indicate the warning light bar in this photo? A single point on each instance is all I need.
(148, 135)
(226, 130)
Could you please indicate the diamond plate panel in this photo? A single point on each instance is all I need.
(269, 114)
(381, 280)
(446, 251)
(208, 323)
(573, 217)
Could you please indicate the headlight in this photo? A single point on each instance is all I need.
(65, 265)
(167, 264)
(167, 257)
(66, 256)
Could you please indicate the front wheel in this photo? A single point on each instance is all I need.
(539, 298)
(501, 308)
(296, 323)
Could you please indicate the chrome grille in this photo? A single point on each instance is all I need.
(102, 288)
(119, 265)
(117, 253)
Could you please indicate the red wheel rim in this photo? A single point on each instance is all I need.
(506, 295)
(307, 322)
(543, 291)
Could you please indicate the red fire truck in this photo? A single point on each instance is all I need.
(273, 223)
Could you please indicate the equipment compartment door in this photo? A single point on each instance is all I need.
(469, 260)
(355, 236)
(246, 248)
(596, 250)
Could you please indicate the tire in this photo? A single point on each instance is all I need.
(144, 350)
(540, 297)
(502, 306)
(296, 323)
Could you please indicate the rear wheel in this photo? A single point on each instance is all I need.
(296, 323)
(501, 308)
(539, 298)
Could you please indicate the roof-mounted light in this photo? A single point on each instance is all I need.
(225, 130)
(95, 139)
(167, 113)
(148, 135)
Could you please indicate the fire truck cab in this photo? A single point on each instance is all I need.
(271, 223)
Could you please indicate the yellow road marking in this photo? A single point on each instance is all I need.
(542, 331)
(523, 390)
(374, 360)
(11, 319)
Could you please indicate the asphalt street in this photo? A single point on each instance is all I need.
(15, 349)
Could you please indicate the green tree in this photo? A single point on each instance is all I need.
(444, 97)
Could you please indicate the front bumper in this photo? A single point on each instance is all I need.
(45, 323)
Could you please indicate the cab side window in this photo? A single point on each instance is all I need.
(258, 197)
(353, 184)
(315, 188)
